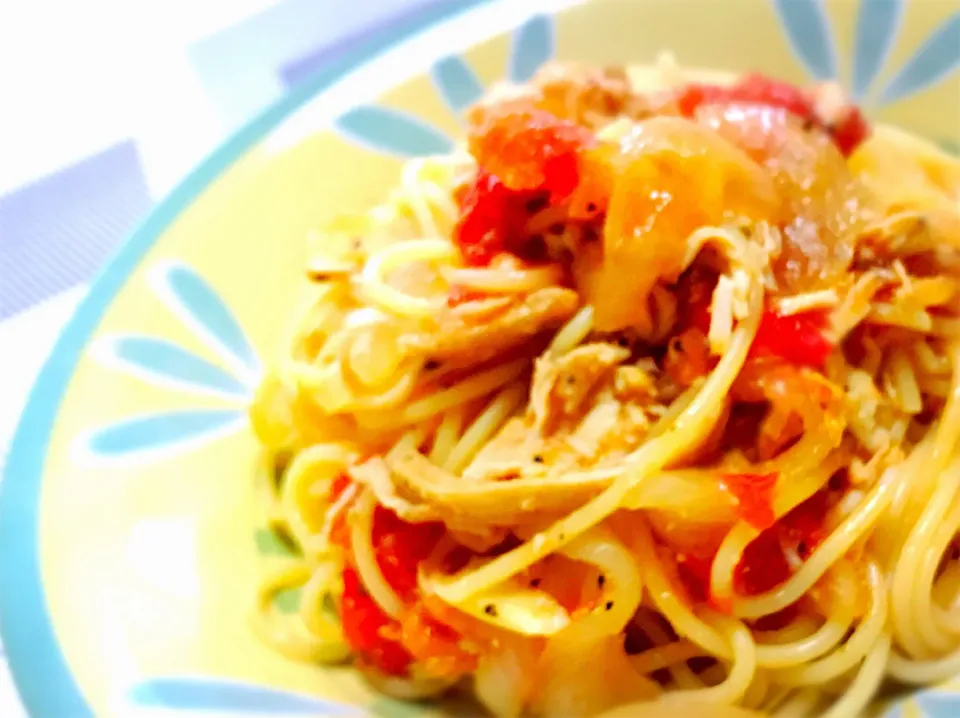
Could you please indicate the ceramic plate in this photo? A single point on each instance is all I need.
(131, 538)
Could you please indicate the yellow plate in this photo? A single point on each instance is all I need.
(131, 539)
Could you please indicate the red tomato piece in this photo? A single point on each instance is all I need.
(338, 486)
(850, 132)
(752, 88)
(435, 645)
(798, 338)
(758, 89)
(762, 566)
(530, 149)
(694, 573)
(802, 527)
(368, 629)
(754, 494)
(461, 295)
(400, 548)
(481, 231)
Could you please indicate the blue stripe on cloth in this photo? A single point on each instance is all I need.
(239, 66)
(301, 67)
(56, 232)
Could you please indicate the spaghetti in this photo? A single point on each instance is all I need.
(648, 401)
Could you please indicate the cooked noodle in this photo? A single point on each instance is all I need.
(604, 456)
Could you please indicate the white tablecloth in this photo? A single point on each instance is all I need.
(106, 104)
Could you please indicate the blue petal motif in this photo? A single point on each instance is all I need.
(456, 82)
(531, 46)
(199, 694)
(877, 26)
(153, 432)
(808, 30)
(162, 362)
(199, 306)
(393, 132)
(937, 57)
(938, 704)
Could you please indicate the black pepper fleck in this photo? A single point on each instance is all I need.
(534, 582)
(609, 605)
(431, 365)
(802, 550)
(591, 206)
(561, 537)
(601, 579)
(490, 610)
(538, 459)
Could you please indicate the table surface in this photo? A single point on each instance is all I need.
(104, 111)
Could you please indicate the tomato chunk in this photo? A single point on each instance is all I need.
(847, 132)
(530, 149)
(435, 645)
(369, 631)
(754, 493)
(851, 131)
(799, 338)
(752, 88)
(481, 232)
(400, 548)
(389, 645)
(763, 565)
(526, 156)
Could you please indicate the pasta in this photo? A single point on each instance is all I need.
(647, 400)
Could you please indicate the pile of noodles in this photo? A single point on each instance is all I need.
(876, 599)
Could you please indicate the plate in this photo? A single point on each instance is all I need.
(132, 539)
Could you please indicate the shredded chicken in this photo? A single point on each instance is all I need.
(562, 384)
(589, 96)
(587, 423)
(464, 504)
(458, 342)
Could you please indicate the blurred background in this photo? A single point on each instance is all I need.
(104, 106)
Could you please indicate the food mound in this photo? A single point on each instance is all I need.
(646, 399)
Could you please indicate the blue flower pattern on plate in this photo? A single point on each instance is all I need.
(202, 695)
(807, 28)
(403, 135)
(162, 363)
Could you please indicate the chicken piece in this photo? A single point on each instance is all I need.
(515, 452)
(458, 342)
(634, 384)
(608, 431)
(590, 96)
(478, 507)
(562, 384)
